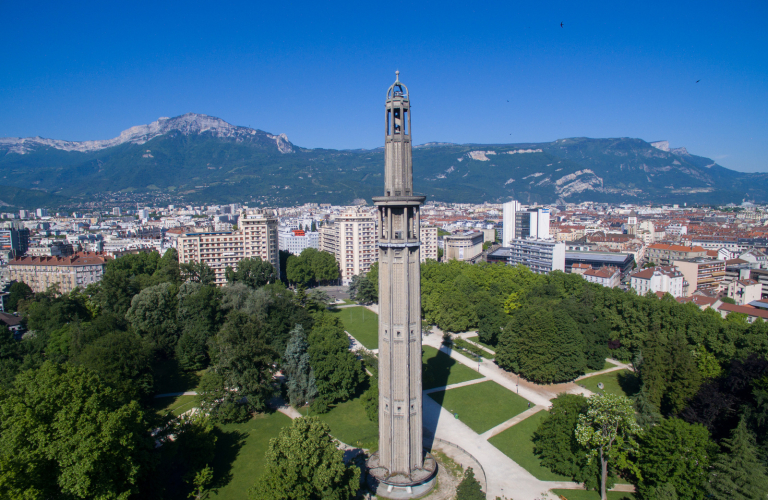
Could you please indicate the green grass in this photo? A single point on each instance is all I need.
(349, 424)
(607, 365)
(481, 406)
(592, 495)
(516, 443)
(176, 405)
(361, 324)
(240, 449)
(621, 382)
(476, 340)
(442, 370)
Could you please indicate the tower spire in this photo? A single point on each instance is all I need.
(400, 461)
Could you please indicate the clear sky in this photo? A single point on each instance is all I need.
(481, 72)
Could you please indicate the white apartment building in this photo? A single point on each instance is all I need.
(79, 270)
(539, 255)
(259, 232)
(353, 237)
(665, 279)
(428, 235)
(605, 276)
(745, 291)
(296, 240)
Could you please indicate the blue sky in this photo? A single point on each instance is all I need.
(481, 72)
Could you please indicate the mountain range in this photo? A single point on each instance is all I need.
(203, 159)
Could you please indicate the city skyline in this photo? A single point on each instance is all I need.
(683, 73)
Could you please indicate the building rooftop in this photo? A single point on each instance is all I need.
(78, 259)
(647, 273)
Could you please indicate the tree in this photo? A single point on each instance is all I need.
(555, 441)
(198, 272)
(16, 292)
(153, 315)
(123, 360)
(542, 345)
(370, 400)
(301, 378)
(304, 463)
(738, 473)
(607, 429)
(675, 454)
(324, 266)
(75, 438)
(337, 371)
(252, 272)
(244, 361)
(469, 488)
(298, 270)
(168, 269)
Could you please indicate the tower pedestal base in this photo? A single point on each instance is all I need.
(399, 486)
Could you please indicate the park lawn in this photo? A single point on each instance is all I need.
(361, 324)
(620, 382)
(240, 450)
(607, 365)
(350, 425)
(481, 406)
(592, 495)
(169, 377)
(175, 404)
(442, 370)
(476, 340)
(516, 443)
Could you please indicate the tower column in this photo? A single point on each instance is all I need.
(401, 460)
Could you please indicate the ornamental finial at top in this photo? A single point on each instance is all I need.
(397, 76)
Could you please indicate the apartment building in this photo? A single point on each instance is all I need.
(296, 240)
(703, 274)
(540, 256)
(78, 270)
(664, 279)
(256, 237)
(428, 243)
(744, 291)
(354, 239)
(217, 249)
(259, 234)
(663, 254)
(605, 276)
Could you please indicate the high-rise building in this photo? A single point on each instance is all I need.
(116, 211)
(400, 462)
(259, 232)
(296, 240)
(539, 255)
(356, 250)
(42, 212)
(519, 223)
(428, 249)
(14, 242)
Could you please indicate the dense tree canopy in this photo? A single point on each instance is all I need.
(337, 371)
(312, 267)
(252, 272)
(63, 431)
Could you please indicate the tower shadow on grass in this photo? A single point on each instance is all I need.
(435, 373)
(228, 446)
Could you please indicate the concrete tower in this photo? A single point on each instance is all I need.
(400, 461)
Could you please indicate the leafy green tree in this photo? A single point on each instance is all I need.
(303, 463)
(75, 438)
(491, 320)
(123, 360)
(168, 269)
(199, 272)
(469, 488)
(198, 317)
(677, 454)
(647, 414)
(301, 378)
(608, 429)
(738, 473)
(153, 315)
(324, 266)
(298, 270)
(542, 345)
(337, 371)
(252, 272)
(555, 442)
(241, 356)
(16, 292)
(370, 400)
